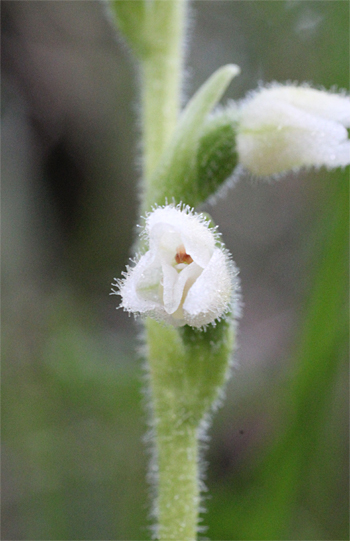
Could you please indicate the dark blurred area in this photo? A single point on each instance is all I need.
(74, 461)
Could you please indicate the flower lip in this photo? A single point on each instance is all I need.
(185, 276)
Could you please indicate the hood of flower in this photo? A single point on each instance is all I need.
(287, 127)
(185, 276)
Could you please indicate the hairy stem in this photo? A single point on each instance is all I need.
(176, 441)
(162, 77)
(178, 499)
(176, 422)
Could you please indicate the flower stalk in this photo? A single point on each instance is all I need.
(176, 453)
(178, 501)
(176, 443)
(175, 421)
(161, 71)
(186, 376)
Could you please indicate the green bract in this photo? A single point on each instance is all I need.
(178, 173)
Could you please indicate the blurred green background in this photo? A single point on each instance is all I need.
(74, 452)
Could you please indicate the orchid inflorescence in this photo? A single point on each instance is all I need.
(183, 282)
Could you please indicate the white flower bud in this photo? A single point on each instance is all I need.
(185, 277)
(286, 127)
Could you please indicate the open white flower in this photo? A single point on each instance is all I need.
(185, 277)
(286, 127)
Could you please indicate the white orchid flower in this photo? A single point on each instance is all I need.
(185, 277)
(287, 127)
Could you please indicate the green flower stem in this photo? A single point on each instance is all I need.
(178, 481)
(176, 439)
(187, 369)
(161, 76)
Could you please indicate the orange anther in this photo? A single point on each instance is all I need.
(181, 256)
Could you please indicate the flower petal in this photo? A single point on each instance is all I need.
(317, 102)
(197, 238)
(176, 285)
(210, 295)
(276, 136)
(164, 240)
(140, 288)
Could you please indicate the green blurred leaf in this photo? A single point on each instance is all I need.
(273, 491)
(130, 17)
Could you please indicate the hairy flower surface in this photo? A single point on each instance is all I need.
(287, 127)
(185, 277)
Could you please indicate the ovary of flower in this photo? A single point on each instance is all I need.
(185, 276)
(286, 127)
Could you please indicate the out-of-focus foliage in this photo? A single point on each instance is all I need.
(74, 461)
(72, 428)
(296, 480)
